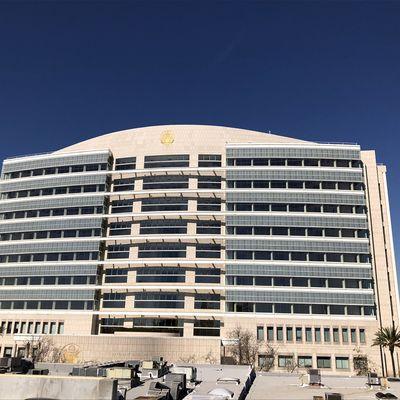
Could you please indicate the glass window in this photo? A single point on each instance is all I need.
(308, 335)
(362, 335)
(299, 282)
(327, 335)
(342, 363)
(301, 309)
(270, 333)
(336, 335)
(289, 334)
(279, 333)
(284, 361)
(317, 335)
(353, 336)
(304, 361)
(345, 335)
(260, 333)
(323, 362)
(299, 334)
(283, 308)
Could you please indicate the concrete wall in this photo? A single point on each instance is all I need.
(21, 387)
(173, 349)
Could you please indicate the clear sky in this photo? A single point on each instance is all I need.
(318, 70)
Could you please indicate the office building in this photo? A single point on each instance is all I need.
(164, 239)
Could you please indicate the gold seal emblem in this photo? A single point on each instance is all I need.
(167, 137)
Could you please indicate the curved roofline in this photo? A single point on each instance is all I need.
(238, 134)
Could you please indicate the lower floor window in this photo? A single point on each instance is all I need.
(285, 361)
(342, 362)
(304, 362)
(323, 362)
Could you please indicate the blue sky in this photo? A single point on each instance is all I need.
(318, 70)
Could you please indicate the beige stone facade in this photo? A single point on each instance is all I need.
(201, 229)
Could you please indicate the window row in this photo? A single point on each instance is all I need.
(65, 169)
(298, 256)
(53, 191)
(289, 362)
(168, 161)
(338, 283)
(32, 327)
(154, 204)
(285, 308)
(342, 335)
(68, 233)
(48, 280)
(298, 231)
(46, 305)
(295, 207)
(52, 212)
(164, 250)
(179, 182)
(162, 274)
(279, 184)
(125, 163)
(293, 162)
(35, 257)
(200, 327)
(165, 226)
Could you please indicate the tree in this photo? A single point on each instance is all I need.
(246, 348)
(42, 349)
(388, 337)
(269, 358)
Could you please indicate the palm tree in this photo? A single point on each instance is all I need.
(388, 337)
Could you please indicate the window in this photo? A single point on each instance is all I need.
(336, 335)
(279, 334)
(166, 161)
(289, 334)
(209, 182)
(207, 275)
(208, 227)
(159, 300)
(114, 300)
(121, 185)
(164, 204)
(285, 361)
(165, 182)
(160, 274)
(304, 361)
(163, 226)
(270, 333)
(209, 160)
(299, 334)
(206, 328)
(345, 335)
(342, 363)
(162, 250)
(117, 275)
(327, 335)
(208, 250)
(208, 204)
(308, 335)
(317, 334)
(362, 335)
(323, 362)
(207, 301)
(353, 336)
(260, 333)
(125, 163)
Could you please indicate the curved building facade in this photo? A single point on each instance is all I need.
(166, 238)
